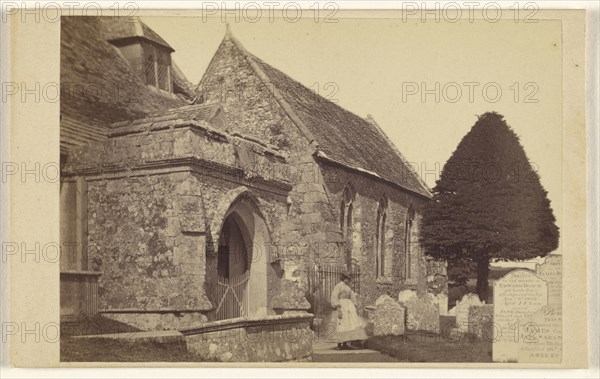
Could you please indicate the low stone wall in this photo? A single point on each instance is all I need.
(157, 321)
(277, 338)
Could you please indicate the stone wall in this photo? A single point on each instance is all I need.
(156, 185)
(310, 230)
(152, 201)
(272, 339)
(149, 260)
(368, 192)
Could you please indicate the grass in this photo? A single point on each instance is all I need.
(113, 350)
(427, 347)
(86, 326)
(73, 349)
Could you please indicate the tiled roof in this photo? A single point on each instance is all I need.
(341, 136)
(97, 85)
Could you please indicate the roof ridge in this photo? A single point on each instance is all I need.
(332, 114)
(339, 107)
(372, 121)
(316, 95)
(271, 88)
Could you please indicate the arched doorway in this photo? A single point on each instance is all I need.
(241, 268)
(232, 271)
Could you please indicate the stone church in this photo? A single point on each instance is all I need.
(241, 197)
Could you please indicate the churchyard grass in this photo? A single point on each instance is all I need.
(113, 350)
(428, 347)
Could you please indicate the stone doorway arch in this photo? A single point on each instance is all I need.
(239, 273)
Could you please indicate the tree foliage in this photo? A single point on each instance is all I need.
(489, 203)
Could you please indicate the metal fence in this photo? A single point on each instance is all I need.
(321, 280)
(78, 293)
(232, 297)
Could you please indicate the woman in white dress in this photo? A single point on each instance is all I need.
(350, 327)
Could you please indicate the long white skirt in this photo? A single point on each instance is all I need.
(350, 326)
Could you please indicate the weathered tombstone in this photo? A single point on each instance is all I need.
(481, 321)
(551, 271)
(388, 318)
(542, 338)
(406, 295)
(517, 296)
(462, 310)
(422, 313)
(442, 300)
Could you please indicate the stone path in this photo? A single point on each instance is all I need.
(328, 352)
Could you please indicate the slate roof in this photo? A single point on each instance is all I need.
(341, 136)
(90, 61)
(97, 85)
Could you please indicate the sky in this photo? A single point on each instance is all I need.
(394, 70)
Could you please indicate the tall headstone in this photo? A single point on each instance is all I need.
(442, 300)
(388, 318)
(462, 310)
(542, 339)
(422, 313)
(517, 296)
(551, 271)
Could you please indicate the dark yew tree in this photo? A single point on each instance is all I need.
(489, 203)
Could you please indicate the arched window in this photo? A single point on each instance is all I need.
(346, 205)
(408, 240)
(380, 237)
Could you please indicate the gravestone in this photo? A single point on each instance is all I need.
(461, 310)
(517, 296)
(551, 271)
(406, 295)
(442, 300)
(422, 313)
(542, 339)
(388, 317)
(481, 321)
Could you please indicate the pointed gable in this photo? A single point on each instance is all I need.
(340, 136)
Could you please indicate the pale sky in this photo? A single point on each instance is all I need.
(367, 65)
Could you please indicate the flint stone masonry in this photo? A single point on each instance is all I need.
(517, 296)
(161, 183)
(401, 271)
(159, 321)
(551, 271)
(290, 297)
(148, 233)
(135, 238)
(388, 317)
(437, 279)
(271, 339)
